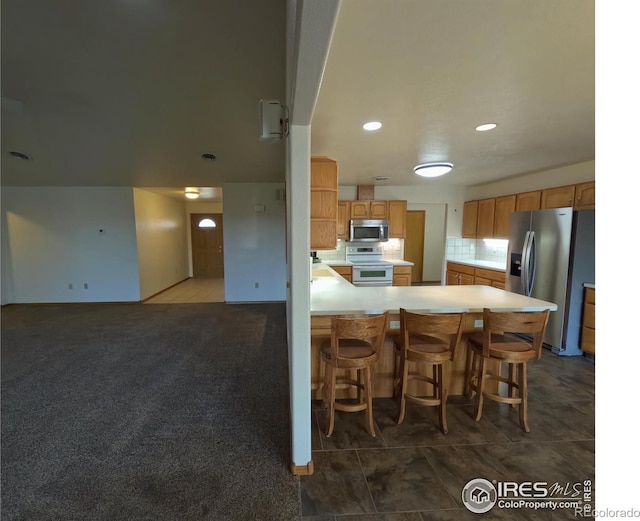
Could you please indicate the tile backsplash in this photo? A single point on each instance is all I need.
(494, 250)
(393, 249)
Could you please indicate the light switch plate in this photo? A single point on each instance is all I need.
(477, 323)
(394, 324)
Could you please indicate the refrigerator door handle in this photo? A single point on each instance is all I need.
(524, 265)
(531, 269)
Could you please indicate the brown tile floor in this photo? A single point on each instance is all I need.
(413, 472)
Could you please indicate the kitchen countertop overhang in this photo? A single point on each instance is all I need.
(333, 295)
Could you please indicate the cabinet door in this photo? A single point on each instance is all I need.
(469, 219)
(528, 201)
(397, 219)
(360, 209)
(481, 281)
(586, 196)
(453, 278)
(486, 213)
(344, 209)
(378, 210)
(558, 197)
(504, 207)
(466, 279)
(324, 204)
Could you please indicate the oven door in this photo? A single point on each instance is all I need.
(375, 275)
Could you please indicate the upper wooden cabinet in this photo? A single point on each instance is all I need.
(344, 209)
(469, 219)
(558, 197)
(486, 214)
(397, 211)
(369, 210)
(528, 201)
(504, 207)
(324, 203)
(585, 196)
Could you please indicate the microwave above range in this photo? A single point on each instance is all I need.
(369, 230)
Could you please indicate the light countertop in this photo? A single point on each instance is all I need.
(395, 262)
(498, 266)
(590, 285)
(331, 295)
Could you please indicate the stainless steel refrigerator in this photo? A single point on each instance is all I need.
(551, 255)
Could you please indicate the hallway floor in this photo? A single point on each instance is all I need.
(413, 472)
(191, 291)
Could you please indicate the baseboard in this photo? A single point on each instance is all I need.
(302, 470)
(165, 289)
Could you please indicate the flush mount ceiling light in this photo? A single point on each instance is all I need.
(372, 125)
(191, 193)
(433, 169)
(486, 126)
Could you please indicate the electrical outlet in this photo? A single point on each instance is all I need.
(86, 285)
(477, 323)
(257, 285)
(70, 285)
(394, 324)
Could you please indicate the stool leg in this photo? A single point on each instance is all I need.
(442, 395)
(331, 377)
(368, 394)
(480, 388)
(512, 382)
(524, 412)
(403, 389)
(470, 372)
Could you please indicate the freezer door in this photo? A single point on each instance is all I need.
(552, 231)
(519, 226)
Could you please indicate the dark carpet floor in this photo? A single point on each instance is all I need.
(146, 412)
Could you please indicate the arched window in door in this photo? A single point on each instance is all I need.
(207, 223)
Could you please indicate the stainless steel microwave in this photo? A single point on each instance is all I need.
(369, 230)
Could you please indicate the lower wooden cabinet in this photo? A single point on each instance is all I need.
(402, 275)
(588, 338)
(344, 271)
(460, 274)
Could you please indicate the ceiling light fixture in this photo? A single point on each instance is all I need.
(486, 126)
(191, 193)
(381, 178)
(20, 155)
(372, 125)
(433, 169)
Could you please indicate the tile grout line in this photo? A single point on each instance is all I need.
(375, 508)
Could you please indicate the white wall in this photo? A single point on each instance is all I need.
(198, 207)
(567, 175)
(161, 231)
(254, 242)
(51, 238)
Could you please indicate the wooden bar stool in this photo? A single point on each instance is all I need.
(355, 345)
(498, 342)
(426, 340)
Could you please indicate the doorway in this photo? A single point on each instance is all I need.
(414, 243)
(206, 245)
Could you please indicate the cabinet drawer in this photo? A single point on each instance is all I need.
(342, 270)
(490, 274)
(589, 318)
(588, 341)
(460, 268)
(481, 281)
(402, 270)
(590, 295)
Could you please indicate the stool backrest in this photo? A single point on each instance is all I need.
(531, 323)
(368, 328)
(442, 325)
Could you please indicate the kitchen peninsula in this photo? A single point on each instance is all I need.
(333, 295)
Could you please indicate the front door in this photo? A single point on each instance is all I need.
(206, 245)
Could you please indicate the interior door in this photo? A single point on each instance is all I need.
(206, 245)
(414, 243)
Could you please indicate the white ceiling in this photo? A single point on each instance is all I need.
(131, 93)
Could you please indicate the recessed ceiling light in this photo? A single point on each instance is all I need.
(433, 169)
(381, 178)
(191, 193)
(20, 155)
(486, 126)
(372, 125)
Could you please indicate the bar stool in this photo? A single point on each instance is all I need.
(426, 340)
(355, 344)
(498, 341)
